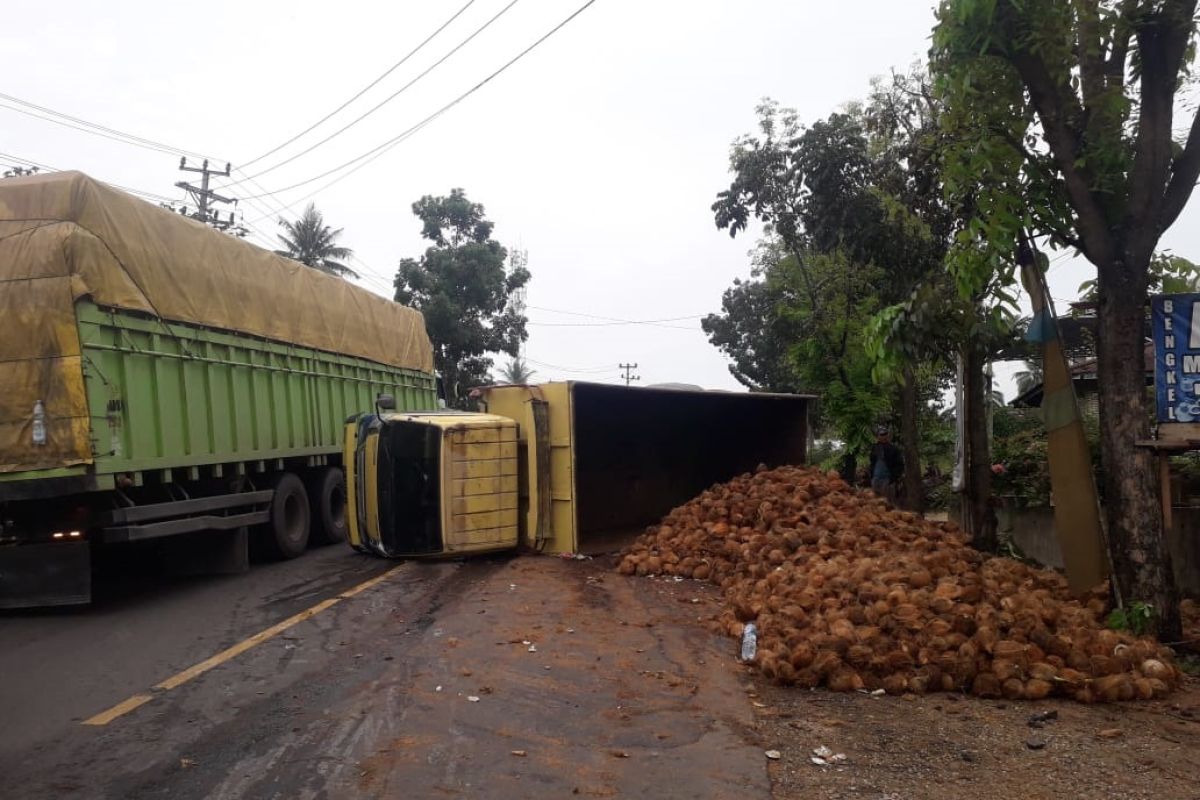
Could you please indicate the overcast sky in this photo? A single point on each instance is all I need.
(599, 153)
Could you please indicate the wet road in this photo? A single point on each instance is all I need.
(337, 675)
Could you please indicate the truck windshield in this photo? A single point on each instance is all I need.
(410, 488)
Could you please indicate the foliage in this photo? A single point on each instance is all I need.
(829, 257)
(1168, 274)
(313, 243)
(1135, 618)
(751, 331)
(1020, 450)
(517, 371)
(462, 287)
(1059, 116)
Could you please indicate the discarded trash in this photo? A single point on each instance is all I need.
(526, 642)
(1040, 719)
(472, 698)
(618, 754)
(437, 688)
(185, 763)
(574, 557)
(570, 630)
(823, 757)
(749, 642)
(822, 752)
(533, 648)
(518, 753)
(774, 755)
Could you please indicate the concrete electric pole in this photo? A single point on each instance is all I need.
(204, 196)
(629, 377)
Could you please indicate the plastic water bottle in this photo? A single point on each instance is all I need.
(749, 641)
(39, 423)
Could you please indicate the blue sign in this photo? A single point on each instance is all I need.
(1175, 319)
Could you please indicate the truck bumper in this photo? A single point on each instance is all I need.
(45, 574)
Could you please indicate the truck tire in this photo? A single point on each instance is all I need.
(327, 492)
(286, 534)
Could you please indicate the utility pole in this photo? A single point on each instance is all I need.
(629, 377)
(204, 197)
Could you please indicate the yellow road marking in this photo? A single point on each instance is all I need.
(123, 707)
(180, 678)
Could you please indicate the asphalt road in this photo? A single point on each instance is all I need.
(324, 677)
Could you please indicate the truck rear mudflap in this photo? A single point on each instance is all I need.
(45, 574)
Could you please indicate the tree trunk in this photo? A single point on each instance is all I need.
(978, 515)
(913, 492)
(1137, 546)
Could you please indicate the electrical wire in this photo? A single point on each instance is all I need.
(386, 100)
(616, 319)
(48, 168)
(580, 370)
(387, 145)
(95, 128)
(365, 89)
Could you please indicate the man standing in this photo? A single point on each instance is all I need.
(886, 465)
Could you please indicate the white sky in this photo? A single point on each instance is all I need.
(599, 153)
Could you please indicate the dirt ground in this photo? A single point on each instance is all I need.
(950, 746)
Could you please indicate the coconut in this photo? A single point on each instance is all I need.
(848, 591)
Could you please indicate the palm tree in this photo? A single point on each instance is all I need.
(1029, 377)
(313, 243)
(516, 372)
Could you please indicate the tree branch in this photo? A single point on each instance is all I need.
(1053, 106)
(1118, 50)
(1185, 171)
(1063, 232)
(1089, 51)
(1162, 43)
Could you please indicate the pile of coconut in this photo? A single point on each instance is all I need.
(849, 593)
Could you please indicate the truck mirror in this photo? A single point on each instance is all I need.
(384, 402)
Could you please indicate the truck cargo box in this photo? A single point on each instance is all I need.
(617, 458)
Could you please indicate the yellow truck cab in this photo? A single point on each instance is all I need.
(437, 483)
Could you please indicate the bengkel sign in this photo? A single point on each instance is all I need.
(1175, 320)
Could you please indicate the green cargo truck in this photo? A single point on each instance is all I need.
(161, 379)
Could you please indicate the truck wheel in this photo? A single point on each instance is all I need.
(328, 495)
(286, 534)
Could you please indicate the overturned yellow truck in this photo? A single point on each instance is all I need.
(566, 467)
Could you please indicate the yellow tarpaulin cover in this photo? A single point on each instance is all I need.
(66, 236)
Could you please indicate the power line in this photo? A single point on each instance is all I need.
(647, 322)
(617, 319)
(365, 89)
(390, 97)
(580, 370)
(93, 127)
(48, 168)
(385, 146)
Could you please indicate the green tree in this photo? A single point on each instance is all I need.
(750, 330)
(1063, 113)
(462, 287)
(313, 243)
(836, 251)
(936, 324)
(517, 371)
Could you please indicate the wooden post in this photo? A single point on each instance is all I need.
(1164, 473)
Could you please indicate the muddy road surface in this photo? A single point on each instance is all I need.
(341, 676)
